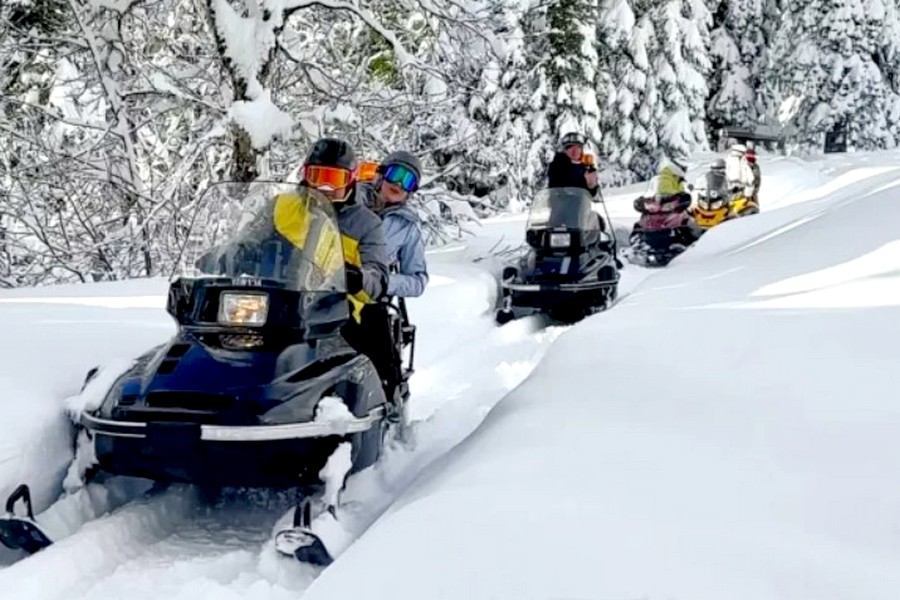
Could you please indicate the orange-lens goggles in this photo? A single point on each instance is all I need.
(327, 177)
(588, 160)
(368, 170)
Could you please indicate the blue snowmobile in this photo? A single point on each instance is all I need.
(237, 397)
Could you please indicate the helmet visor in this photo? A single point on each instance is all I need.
(402, 176)
(327, 178)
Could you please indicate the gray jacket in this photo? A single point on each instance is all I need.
(405, 245)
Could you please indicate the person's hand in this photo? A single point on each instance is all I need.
(354, 278)
(591, 178)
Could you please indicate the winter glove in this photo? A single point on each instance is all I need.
(354, 278)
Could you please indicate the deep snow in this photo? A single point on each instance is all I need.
(674, 445)
(464, 364)
(729, 430)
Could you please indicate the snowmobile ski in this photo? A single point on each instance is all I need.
(22, 533)
(304, 545)
(299, 541)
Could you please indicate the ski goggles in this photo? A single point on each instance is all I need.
(402, 176)
(333, 178)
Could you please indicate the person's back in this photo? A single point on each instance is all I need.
(756, 175)
(738, 169)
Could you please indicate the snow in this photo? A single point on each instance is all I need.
(335, 471)
(49, 345)
(261, 119)
(729, 429)
(332, 409)
(726, 430)
(177, 543)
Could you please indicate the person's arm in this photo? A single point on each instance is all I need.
(558, 174)
(373, 255)
(413, 276)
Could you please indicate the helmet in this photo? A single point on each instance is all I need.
(402, 157)
(330, 165)
(402, 168)
(718, 165)
(676, 165)
(572, 138)
(739, 149)
(331, 152)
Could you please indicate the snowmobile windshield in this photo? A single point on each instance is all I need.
(278, 232)
(715, 184)
(563, 207)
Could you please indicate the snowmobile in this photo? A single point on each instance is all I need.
(257, 388)
(713, 203)
(664, 230)
(569, 269)
(742, 204)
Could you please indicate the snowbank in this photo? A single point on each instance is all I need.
(177, 546)
(52, 336)
(729, 430)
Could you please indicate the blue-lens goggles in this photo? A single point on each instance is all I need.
(402, 176)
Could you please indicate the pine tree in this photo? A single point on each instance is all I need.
(829, 71)
(656, 59)
(682, 65)
(563, 75)
(624, 80)
(738, 55)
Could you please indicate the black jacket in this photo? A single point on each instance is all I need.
(564, 173)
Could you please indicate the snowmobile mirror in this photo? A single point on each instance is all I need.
(179, 300)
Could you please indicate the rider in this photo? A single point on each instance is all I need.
(395, 180)
(330, 168)
(567, 169)
(750, 157)
(741, 177)
(715, 177)
(669, 185)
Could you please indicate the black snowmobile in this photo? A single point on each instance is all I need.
(569, 269)
(257, 388)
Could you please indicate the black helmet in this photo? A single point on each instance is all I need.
(571, 138)
(331, 152)
(402, 157)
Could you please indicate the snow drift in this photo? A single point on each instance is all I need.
(729, 430)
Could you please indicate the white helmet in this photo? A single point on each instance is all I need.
(739, 149)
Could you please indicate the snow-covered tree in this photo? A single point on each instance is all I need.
(833, 67)
(656, 60)
(627, 123)
(738, 56)
(682, 65)
(562, 69)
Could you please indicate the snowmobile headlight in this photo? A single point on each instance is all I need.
(560, 240)
(243, 309)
